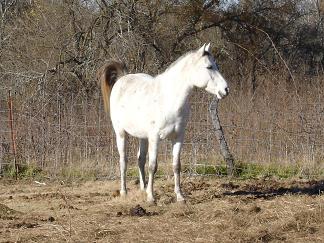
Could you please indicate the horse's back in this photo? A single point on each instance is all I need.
(133, 102)
(131, 84)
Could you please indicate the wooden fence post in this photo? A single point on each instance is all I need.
(228, 157)
(1, 158)
(13, 137)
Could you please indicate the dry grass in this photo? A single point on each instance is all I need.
(218, 210)
(277, 124)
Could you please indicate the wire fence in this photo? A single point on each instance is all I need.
(72, 134)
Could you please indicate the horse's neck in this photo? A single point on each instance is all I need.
(175, 90)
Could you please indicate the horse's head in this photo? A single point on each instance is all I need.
(206, 73)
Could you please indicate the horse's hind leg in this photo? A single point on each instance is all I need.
(121, 145)
(142, 151)
(177, 144)
(152, 168)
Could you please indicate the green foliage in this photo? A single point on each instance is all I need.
(74, 173)
(245, 170)
(211, 170)
(24, 171)
(205, 170)
(133, 172)
(248, 171)
(34, 172)
(252, 170)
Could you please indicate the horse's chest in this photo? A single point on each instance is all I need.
(173, 126)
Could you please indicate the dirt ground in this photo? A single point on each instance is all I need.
(217, 210)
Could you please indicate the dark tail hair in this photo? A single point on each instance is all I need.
(107, 76)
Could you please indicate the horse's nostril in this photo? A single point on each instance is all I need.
(227, 90)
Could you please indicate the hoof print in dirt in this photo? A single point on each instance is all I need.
(139, 212)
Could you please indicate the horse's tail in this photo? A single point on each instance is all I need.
(107, 76)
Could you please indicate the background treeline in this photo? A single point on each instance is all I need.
(66, 40)
(271, 52)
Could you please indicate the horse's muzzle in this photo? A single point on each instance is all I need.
(227, 90)
(223, 94)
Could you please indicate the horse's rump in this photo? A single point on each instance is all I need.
(107, 76)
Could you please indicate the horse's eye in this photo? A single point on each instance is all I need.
(210, 67)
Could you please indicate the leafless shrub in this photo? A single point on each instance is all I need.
(271, 53)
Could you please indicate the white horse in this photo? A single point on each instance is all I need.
(155, 108)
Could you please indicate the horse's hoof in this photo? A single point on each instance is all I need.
(151, 200)
(151, 203)
(143, 189)
(182, 201)
(180, 198)
(142, 193)
(123, 194)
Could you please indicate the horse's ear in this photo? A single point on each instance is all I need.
(201, 50)
(204, 50)
(207, 48)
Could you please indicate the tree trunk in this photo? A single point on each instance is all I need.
(228, 157)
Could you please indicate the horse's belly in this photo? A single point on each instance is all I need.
(137, 132)
(135, 123)
(167, 132)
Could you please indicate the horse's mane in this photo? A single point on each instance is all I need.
(176, 62)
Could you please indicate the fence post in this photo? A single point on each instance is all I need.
(228, 157)
(1, 156)
(13, 138)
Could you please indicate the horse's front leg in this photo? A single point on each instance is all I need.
(177, 144)
(152, 168)
(121, 145)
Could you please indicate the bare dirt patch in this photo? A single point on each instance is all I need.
(217, 210)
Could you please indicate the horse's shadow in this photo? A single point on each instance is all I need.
(312, 188)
